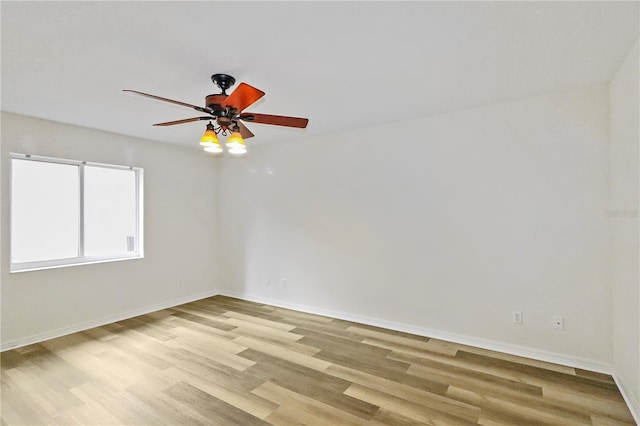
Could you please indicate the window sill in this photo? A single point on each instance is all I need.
(65, 263)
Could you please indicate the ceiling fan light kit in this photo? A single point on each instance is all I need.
(226, 111)
(210, 142)
(235, 144)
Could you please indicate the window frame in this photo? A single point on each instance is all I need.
(81, 259)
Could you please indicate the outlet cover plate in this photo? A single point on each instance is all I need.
(517, 317)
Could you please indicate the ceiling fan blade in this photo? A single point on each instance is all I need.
(278, 120)
(242, 97)
(196, 107)
(186, 120)
(244, 132)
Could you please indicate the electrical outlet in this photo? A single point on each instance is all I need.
(517, 317)
(284, 283)
(558, 322)
(268, 281)
(180, 282)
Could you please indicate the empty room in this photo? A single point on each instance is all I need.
(320, 213)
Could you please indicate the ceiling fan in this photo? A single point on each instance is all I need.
(226, 110)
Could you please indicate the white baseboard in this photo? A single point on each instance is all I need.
(492, 345)
(52, 334)
(630, 397)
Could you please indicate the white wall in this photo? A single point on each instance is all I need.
(625, 278)
(180, 235)
(444, 225)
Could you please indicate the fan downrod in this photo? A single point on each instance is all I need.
(223, 81)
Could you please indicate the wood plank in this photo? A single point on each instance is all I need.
(106, 403)
(416, 342)
(538, 409)
(153, 400)
(218, 323)
(212, 351)
(409, 409)
(514, 358)
(309, 382)
(384, 417)
(219, 412)
(608, 421)
(284, 353)
(18, 406)
(595, 405)
(369, 358)
(234, 393)
(11, 359)
(260, 321)
(51, 368)
(135, 325)
(571, 380)
(472, 380)
(595, 376)
(51, 397)
(428, 368)
(295, 408)
(401, 390)
(253, 329)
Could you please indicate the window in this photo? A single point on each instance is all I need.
(66, 212)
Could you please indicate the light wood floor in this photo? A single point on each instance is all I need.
(224, 361)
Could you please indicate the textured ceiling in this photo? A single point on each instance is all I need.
(342, 64)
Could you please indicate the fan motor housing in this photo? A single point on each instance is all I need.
(225, 122)
(215, 101)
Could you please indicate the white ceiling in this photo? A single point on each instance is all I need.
(343, 65)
